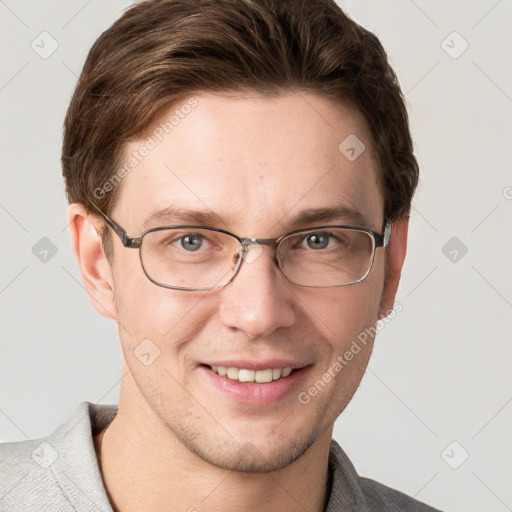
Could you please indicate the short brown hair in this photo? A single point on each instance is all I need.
(160, 51)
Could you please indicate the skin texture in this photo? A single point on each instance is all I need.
(177, 442)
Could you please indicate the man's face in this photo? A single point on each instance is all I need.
(257, 163)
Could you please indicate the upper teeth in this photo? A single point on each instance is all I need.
(260, 376)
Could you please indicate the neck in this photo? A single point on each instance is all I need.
(144, 467)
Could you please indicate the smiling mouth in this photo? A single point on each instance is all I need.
(257, 376)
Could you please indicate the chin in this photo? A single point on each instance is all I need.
(248, 458)
(251, 453)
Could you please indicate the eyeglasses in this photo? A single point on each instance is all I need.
(196, 258)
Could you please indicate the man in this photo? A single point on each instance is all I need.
(240, 174)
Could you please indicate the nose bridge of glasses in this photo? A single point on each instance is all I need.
(251, 256)
(258, 241)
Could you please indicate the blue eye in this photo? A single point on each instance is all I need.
(191, 242)
(317, 240)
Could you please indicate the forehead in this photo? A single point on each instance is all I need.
(252, 163)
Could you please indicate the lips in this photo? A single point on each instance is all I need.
(246, 382)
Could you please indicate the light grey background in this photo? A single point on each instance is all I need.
(441, 369)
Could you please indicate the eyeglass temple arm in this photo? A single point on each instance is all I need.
(123, 235)
(383, 240)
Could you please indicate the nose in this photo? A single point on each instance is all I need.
(259, 299)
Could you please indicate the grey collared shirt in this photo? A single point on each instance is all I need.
(60, 473)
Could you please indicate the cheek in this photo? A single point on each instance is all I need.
(341, 314)
(147, 311)
(345, 318)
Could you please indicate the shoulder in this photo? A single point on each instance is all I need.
(55, 472)
(381, 497)
(28, 482)
(349, 491)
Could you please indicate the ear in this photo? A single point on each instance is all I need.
(396, 250)
(94, 266)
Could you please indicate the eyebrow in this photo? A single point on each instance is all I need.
(173, 214)
(318, 215)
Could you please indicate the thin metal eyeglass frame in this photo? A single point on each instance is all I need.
(379, 240)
